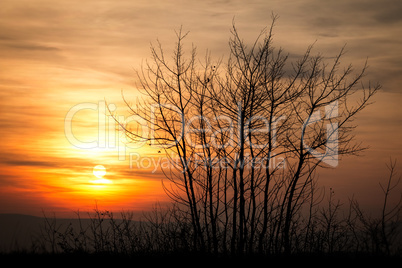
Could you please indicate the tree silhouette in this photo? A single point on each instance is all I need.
(246, 136)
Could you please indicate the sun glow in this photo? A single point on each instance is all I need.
(102, 181)
(99, 171)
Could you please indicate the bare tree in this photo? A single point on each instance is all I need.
(379, 235)
(247, 135)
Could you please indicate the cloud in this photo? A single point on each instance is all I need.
(30, 163)
(30, 158)
(384, 12)
(27, 46)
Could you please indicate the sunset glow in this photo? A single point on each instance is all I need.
(65, 69)
(99, 171)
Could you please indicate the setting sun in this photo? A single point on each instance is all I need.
(99, 171)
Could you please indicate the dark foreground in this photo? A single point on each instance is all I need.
(193, 259)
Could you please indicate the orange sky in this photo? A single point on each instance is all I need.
(56, 56)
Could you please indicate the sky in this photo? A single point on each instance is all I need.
(59, 56)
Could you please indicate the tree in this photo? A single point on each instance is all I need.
(247, 135)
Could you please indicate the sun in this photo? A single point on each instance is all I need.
(99, 171)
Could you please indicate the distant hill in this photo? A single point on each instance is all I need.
(16, 231)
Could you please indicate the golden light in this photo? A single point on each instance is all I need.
(99, 171)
